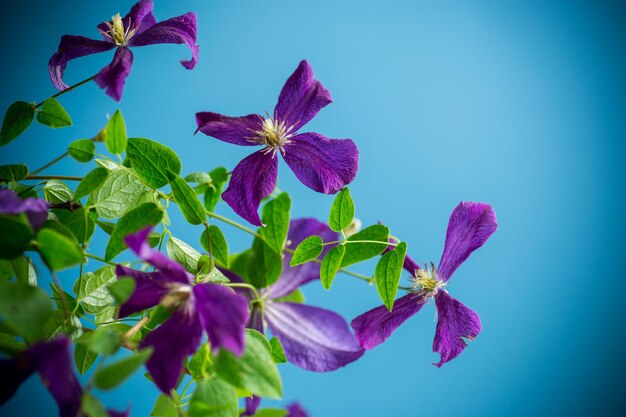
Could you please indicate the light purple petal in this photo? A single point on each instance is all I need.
(178, 30)
(455, 322)
(235, 130)
(150, 288)
(470, 226)
(252, 404)
(35, 209)
(301, 98)
(322, 164)
(72, 47)
(223, 314)
(293, 277)
(375, 326)
(138, 243)
(113, 77)
(295, 410)
(172, 342)
(138, 19)
(252, 180)
(312, 338)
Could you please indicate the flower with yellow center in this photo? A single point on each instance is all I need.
(116, 31)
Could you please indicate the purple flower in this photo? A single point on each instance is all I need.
(210, 307)
(252, 405)
(295, 410)
(312, 338)
(35, 209)
(138, 28)
(470, 226)
(322, 164)
(53, 362)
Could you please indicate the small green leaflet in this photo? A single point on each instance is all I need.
(388, 272)
(16, 120)
(342, 211)
(275, 217)
(52, 114)
(91, 182)
(92, 292)
(187, 200)
(92, 407)
(56, 191)
(277, 351)
(122, 289)
(82, 150)
(271, 412)
(13, 173)
(219, 176)
(214, 242)
(183, 254)
(9, 346)
(309, 249)
(115, 134)
(147, 214)
(103, 340)
(152, 161)
(70, 301)
(78, 222)
(84, 358)
(165, 406)
(357, 252)
(264, 265)
(214, 398)
(24, 270)
(114, 374)
(61, 323)
(24, 309)
(201, 363)
(58, 250)
(331, 265)
(119, 192)
(16, 234)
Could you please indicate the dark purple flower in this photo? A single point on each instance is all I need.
(322, 164)
(252, 405)
(295, 410)
(212, 308)
(35, 209)
(313, 338)
(137, 28)
(470, 226)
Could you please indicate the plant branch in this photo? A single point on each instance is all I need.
(68, 89)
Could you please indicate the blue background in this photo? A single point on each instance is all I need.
(518, 104)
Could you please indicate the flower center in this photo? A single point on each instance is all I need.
(178, 294)
(426, 280)
(274, 134)
(116, 31)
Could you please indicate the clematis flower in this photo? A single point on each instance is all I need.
(322, 164)
(138, 28)
(53, 362)
(216, 309)
(252, 405)
(470, 226)
(313, 338)
(36, 209)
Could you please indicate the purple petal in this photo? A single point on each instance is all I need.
(138, 19)
(115, 413)
(470, 226)
(235, 130)
(252, 404)
(293, 277)
(313, 338)
(295, 410)
(72, 47)
(14, 372)
(256, 320)
(322, 164)
(252, 180)
(150, 288)
(375, 326)
(173, 341)
(178, 30)
(223, 314)
(455, 322)
(35, 209)
(138, 243)
(301, 98)
(113, 76)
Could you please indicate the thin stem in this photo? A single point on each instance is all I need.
(68, 89)
(97, 258)
(371, 241)
(242, 285)
(66, 308)
(234, 224)
(49, 164)
(53, 177)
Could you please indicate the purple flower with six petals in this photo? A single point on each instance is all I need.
(35, 209)
(216, 309)
(322, 164)
(470, 226)
(138, 28)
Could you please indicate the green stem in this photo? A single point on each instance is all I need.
(68, 89)
(97, 258)
(242, 285)
(49, 164)
(53, 177)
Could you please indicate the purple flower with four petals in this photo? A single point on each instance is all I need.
(138, 28)
(36, 209)
(470, 226)
(214, 308)
(322, 164)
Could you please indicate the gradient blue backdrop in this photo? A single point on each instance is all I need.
(519, 104)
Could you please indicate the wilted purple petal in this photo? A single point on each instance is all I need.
(138, 19)
(313, 338)
(14, 372)
(35, 209)
(224, 315)
(295, 410)
(179, 29)
(72, 47)
(252, 180)
(252, 404)
(470, 226)
(322, 164)
(138, 243)
(375, 326)
(150, 288)
(455, 322)
(174, 340)
(235, 130)
(113, 77)
(301, 98)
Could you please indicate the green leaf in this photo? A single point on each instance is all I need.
(277, 351)
(92, 289)
(264, 265)
(71, 303)
(82, 150)
(120, 191)
(198, 177)
(61, 323)
(219, 176)
(295, 297)
(201, 363)
(92, 407)
(15, 234)
(9, 345)
(357, 252)
(105, 316)
(56, 191)
(52, 114)
(157, 316)
(271, 412)
(183, 254)
(342, 211)
(147, 214)
(15, 172)
(309, 249)
(58, 250)
(91, 182)
(275, 216)
(388, 272)
(255, 370)
(152, 161)
(165, 407)
(84, 358)
(214, 242)
(187, 200)
(6, 270)
(24, 271)
(24, 309)
(331, 265)
(103, 340)
(79, 222)
(114, 374)
(16, 120)
(122, 289)
(115, 134)
(214, 398)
